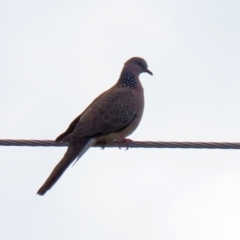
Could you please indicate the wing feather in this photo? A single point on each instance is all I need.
(110, 113)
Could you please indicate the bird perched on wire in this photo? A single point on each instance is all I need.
(112, 116)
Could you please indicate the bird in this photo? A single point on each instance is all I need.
(112, 116)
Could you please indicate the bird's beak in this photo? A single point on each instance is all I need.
(148, 71)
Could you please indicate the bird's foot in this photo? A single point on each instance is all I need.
(123, 141)
(103, 145)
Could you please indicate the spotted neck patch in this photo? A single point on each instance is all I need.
(127, 79)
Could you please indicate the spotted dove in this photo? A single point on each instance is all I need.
(112, 116)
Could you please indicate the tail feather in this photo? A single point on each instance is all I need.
(74, 150)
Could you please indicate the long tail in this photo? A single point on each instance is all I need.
(75, 150)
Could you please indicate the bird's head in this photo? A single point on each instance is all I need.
(137, 65)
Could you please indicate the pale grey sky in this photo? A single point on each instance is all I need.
(57, 56)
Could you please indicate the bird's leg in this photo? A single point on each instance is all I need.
(103, 145)
(123, 141)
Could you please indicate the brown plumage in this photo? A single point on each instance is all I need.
(113, 115)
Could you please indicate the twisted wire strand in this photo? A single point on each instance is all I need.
(130, 144)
